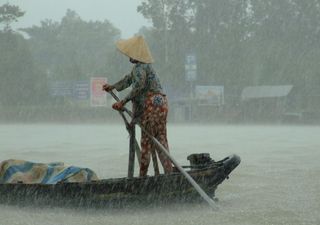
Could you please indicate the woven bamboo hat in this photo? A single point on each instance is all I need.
(135, 48)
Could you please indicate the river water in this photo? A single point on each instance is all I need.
(276, 183)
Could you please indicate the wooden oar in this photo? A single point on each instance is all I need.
(166, 152)
(137, 148)
(131, 151)
(133, 145)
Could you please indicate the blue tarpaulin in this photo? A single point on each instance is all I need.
(20, 171)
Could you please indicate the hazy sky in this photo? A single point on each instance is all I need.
(121, 13)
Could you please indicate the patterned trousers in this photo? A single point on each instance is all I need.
(154, 120)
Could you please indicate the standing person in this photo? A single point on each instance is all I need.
(149, 103)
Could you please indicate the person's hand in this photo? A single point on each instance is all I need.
(118, 106)
(107, 87)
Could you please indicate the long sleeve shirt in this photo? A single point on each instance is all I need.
(143, 80)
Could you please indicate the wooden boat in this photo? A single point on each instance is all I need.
(125, 191)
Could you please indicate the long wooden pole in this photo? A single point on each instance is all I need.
(166, 152)
(131, 151)
(128, 126)
(155, 162)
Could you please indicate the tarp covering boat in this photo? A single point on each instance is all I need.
(20, 171)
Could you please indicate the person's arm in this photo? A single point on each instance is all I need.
(123, 83)
(139, 77)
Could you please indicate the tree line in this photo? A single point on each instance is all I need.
(237, 43)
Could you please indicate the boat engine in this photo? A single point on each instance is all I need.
(200, 160)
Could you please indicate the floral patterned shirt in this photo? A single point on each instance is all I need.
(143, 80)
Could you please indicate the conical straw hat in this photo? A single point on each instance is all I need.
(135, 48)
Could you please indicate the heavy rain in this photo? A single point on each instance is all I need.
(242, 80)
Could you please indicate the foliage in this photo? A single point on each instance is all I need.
(21, 82)
(237, 43)
(168, 38)
(74, 49)
(8, 14)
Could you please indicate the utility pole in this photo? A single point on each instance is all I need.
(165, 29)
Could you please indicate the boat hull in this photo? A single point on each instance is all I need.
(122, 191)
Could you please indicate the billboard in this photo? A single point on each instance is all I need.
(210, 95)
(97, 95)
(81, 90)
(78, 90)
(60, 88)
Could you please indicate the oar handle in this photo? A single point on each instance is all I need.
(124, 108)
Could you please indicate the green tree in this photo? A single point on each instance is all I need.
(74, 49)
(222, 33)
(239, 43)
(8, 14)
(169, 38)
(21, 82)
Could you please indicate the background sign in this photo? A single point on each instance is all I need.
(98, 96)
(61, 88)
(210, 95)
(191, 67)
(81, 90)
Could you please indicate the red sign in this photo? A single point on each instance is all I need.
(98, 96)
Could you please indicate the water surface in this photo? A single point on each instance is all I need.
(277, 181)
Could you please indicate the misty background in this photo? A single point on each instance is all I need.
(219, 61)
(242, 62)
